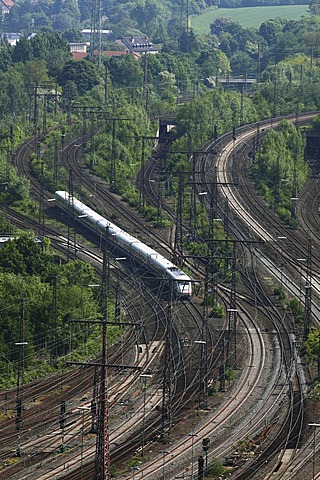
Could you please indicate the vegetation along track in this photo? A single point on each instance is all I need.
(235, 188)
(58, 241)
(160, 461)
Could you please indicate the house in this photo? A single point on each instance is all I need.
(11, 37)
(86, 33)
(7, 238)
(5, 6)
(80, 55)
(139, 45)
(78, 47)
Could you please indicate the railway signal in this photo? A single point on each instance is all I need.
(205, 448)
(200, 467)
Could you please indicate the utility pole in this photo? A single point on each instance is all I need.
(193, 202)
(232, 315)
(92, 128)
(226, 231)
(277, 184)
(178, 237)
(55, 164)
(102, 458)
(99, 405)
(84, 134)
(106, 88)
(167, 374)
(113, 173)
(308, 292)
(20, 377)
(203, 380)
(142, 175)
(94, 401)
(145, 80)
(54, 321)
(41, 200)
(142, 192)
(35, 110)
(241, 104)
(62, 423)
(71, 220)
(44, 118)
(258, 66)
(274, 96)
(113, 156)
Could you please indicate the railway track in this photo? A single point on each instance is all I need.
(62, 242)
(163, 462)
(238, 199)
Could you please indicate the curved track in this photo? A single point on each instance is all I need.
(283, 382)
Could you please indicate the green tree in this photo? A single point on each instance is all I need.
(280, 169)
(125, 71)
(242, 63)
(312, 344)
(146, 14)
(83, 74)
(23, 256)
(213, 63)
(5, 56)
(22, 52)
(271, 29)
(73, 35)
(34, 73)
(314, 7)
(52, 48)
(13, 93)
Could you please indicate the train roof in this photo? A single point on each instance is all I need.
(136, 245)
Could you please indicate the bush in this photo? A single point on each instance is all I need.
(215, 468)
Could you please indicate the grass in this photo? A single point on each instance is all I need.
(246, 16)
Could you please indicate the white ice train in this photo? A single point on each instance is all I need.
(181, 283)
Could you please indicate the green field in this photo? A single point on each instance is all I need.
(246, 16)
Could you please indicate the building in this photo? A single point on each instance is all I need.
(78, 47)
(11, 37)
(79, 55)
(138, 45)
(5, 6)
(86, 33)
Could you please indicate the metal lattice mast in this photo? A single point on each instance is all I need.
(102, 459)
(95, 29)
(184, 24)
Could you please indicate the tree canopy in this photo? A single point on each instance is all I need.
(82, 74)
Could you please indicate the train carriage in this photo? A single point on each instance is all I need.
(181, 283)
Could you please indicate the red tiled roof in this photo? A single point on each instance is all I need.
(79, 55)
(7, 3)
(106, 53)
(115, 53)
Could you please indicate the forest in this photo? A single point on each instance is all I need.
(44, 91)
(151, 17)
